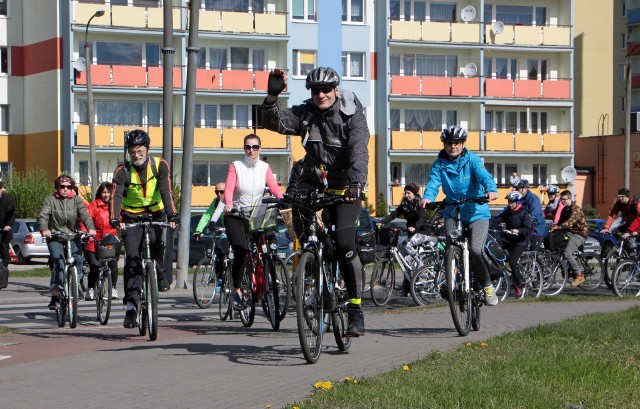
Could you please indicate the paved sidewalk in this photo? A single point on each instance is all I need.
(209, 363)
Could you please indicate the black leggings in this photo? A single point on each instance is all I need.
(237, 235)
(95, 268)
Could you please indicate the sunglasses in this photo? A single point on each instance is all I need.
(219, 192)
(251, 147)
(324, 90)
(64, 186)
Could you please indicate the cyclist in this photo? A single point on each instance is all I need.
(335, 136)
(626, 207)
(518, 224)
(572, 219)
(532, 205)
(215, 214)
(62, 212)
(417, 225)
(461, 174)
(553, 209)
(99, 212)
(245, 186)
(142, 186)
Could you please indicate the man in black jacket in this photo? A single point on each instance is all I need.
(335, 136)
(7, 217)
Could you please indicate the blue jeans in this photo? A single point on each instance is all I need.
(57, 257)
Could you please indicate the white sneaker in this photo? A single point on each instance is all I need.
(89, 295)
(490, 297)
(114, 294)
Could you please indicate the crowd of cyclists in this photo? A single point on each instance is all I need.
(335, 136)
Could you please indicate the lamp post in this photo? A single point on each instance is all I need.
(92, 137)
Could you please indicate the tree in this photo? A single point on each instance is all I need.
(382, 207)
(29, 189)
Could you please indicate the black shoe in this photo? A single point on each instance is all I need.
(53, 304)
(130, 319)
(162, 286)
(444, 293)
(236, 301)
(355, 319)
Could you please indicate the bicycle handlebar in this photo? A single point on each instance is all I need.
(313, 200)
(446, 202)
(69, 236)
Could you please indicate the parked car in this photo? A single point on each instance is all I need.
(365, 222)
(607, 241)
(27, 241)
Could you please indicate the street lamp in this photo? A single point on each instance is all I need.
(92, 136)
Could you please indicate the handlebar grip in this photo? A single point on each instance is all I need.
(270, 200)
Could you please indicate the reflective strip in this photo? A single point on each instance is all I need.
(355, 301)
(336, 191)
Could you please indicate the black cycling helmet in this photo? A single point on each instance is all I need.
(453, 133)
(322, 77)
(521, 183)
(137, 137)
(552, 190)
(624, 191)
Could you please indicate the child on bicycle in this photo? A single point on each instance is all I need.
(516, 239)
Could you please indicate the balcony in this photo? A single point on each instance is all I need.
(635, 81)
(530, 35)
(528, 89)
(108, 136)
(633, 17)
(527, 142)
(435, 31)
(435, 86)
(427, 140)
(243, 22)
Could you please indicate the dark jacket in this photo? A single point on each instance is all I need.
(519, 219)
(7, 211)
(337, 138)
(415, 215)
(533, 206)
(64, 214)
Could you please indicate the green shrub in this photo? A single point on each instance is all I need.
(382, 207)
(590, 212)
(29, 189)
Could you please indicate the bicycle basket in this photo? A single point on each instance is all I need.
(366, 247)
(260, 217)
(108, 247)
(556, 240)
(386, 237)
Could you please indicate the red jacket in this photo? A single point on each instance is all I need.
(99, 212)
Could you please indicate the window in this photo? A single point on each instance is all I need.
(539, 122)
(239, 58)
(4, 60)
(518, 15)
(501, 171)
(242, 116)
(152, 55)
(537, 69)
(624, 8)
(353, 11)
(423, 64)
(209, 173)
(394, 9)
(226, 116)
(118, 53)
(234, 5)
(146, 3)
(523, 122)
(217, 58)
(505, 68)
(210, 116)
(303, 10)
(623, 40)
(394, 119)
(153, 113)
(353, 65)
(622, 104)
(419, 10)
(541, 16)
(539, 174)
(113, 112)
(5, 169)
(83, 172)
(259, 60)
(3, 7)
(442, 12)
(512, 122)
(622, 75)
(4, 118)
(423, 120)
(200, 174)
(416, 172)
(303, 62)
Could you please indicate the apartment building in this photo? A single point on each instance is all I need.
(504, 71)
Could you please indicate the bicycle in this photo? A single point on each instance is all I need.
(106, 252)
(624, 250)
(265, 277)
(67, 301)
(320, 303)
(147, 309)
(206, 279)
(428, 279)
(626, 279)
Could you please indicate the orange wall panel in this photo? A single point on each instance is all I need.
(234, 137)
(498, 141)
(528, 142)
(405, 85)
(527, 88)
(129, 76)
(100, 75)
(237, 80)
(405, 140)
(262, 78)
(499, 88)
(436, 86)
(207, 138)
(207, 79)
(465, 87)
(560, 89)
(271, 140)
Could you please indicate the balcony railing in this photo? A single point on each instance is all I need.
(108, 136)
(427, 140)
(635, 81)
(454, 32)
(524, 88)
(633, 17)
(141, 17)
(152, 77)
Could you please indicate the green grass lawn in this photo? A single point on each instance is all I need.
(587, 362)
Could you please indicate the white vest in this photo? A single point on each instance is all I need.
(250, 183)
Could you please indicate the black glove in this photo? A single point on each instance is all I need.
(175, 219)
(276, 84)
(353, 193)
(114, 223)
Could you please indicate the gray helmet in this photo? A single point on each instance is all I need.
(453, 133)
(552, 190)
(137, 137)
(521, 183)
(514, 196)
(322, 77)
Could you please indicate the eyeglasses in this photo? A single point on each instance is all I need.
(564, 199)
(324, 90)
(63, 187)
(251, 147)
(137, 152)
(453, 143)
(219, 192)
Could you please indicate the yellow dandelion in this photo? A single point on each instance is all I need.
(468, 344)
(327, 385)
(347, 379)
(268, 406)
(484, 344)
(606, 343)
(355, 381)
(296, 407)
(405, 367)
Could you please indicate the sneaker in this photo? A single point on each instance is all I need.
(114, 294)
(162, 286)
(55, 292)
(53, 304)
(490, 297)
(236, 301)
(518, 291)
(130, 319)
(355, 322)
(89, 295)
(578, 280)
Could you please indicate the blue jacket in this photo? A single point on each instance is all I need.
(464, 177)
(532, 205)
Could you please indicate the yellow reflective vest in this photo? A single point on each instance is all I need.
(139, 196)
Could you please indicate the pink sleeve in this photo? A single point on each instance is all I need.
(274, 188)
(558, 212)
(230, 185)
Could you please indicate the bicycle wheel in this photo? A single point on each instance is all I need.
(73, 297)
(271, 297)
(592, 267)
(224, 304)
(423, 286)
(339, 324)
(611, 260)
(61, 310)
(626, 279)
(248, 314)
(291, 262)
(152, 300)
(555, 276)
(475, 312)
(502, 285)
(103, 295)
(367, 272)
(459, 299)
(309, 307)
(382, 281)
(531, 276)
(204, 283)
(282, 277)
